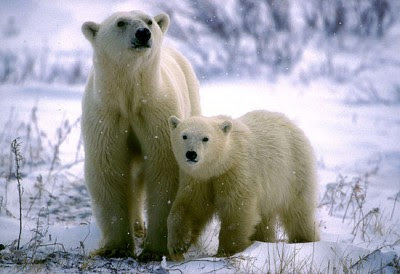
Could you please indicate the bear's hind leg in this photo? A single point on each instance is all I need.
(265, 230)
(299, 222)
(298, 214)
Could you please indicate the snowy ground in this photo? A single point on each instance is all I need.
(358, 165)
(348, 104)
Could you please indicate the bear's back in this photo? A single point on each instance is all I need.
(269, 130)
(270, 150)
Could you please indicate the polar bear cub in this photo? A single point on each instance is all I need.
(247, 171)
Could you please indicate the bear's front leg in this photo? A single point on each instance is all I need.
(110, 201)
(161, 183)
(238, 221)
(179, 236)
(191, 211)
(108, 178)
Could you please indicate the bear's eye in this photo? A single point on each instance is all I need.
(205, 139)
(184, 137)
(150, 22)
(121, 24)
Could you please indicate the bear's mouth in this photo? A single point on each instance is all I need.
(192, 161)
(138, 45)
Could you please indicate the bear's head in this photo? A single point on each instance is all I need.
(127, 36)
(201, 145)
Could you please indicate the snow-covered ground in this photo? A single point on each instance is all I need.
(358, 165)
(348, 104)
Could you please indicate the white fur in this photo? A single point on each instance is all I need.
(129, 96)
(248, 171)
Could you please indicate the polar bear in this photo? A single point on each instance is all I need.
(135, 85)
(248, 171)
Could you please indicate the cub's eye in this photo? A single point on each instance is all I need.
(121, 24)
(184, 137)
(150, 22)
(205, 139)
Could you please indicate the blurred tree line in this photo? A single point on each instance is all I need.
(232, 37)
(242, 37)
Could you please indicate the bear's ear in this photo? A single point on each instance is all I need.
(163, 21)
(173, 122)
(226, 126)
(90, 30)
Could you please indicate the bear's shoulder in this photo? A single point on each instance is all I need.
(265, 119)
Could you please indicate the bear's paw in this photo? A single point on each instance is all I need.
(112, 253)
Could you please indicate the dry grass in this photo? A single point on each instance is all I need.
(50, 193)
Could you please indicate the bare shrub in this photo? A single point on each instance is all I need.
(15, 144)
(346, 198)
(362, 18)
(224, 40)
(43, 65)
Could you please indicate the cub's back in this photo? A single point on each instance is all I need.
(270, 152)
(270, 132)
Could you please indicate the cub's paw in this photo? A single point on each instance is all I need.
(149, 256)
(112, 253)
(221, 254)
(177, 249)
(226, 253)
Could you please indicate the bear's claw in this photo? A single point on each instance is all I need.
(176, 251)
(112, 253)
(177, 257)
(149, 256)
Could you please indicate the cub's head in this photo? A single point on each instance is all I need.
(126, 36)
(201, 144)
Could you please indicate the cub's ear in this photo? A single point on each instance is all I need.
(173, 122)
(226, 126)
(90, 29)
(163, 21)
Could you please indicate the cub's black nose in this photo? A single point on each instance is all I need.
(191, 155)
(143, 35)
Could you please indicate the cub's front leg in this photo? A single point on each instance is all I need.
(179, 233)
(237, 209)
(191, 211)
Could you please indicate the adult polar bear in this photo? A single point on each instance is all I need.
(134, 86)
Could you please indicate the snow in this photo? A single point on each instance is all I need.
(347, 104)
(343, 144)
(50, 22)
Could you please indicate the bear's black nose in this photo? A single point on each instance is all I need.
(191, 155)
(143, 35)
